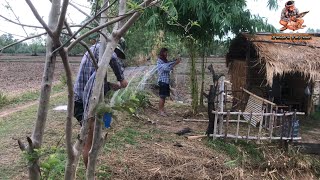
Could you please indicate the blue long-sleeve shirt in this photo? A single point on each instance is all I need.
(164, 70)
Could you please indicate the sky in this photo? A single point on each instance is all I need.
(25, 15)
(22, 10)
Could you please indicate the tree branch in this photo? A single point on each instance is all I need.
(74, 6)
(94, 30)
(134, 17)
(88, 22)
(93, 59)
(17, 18)
(36, 14)
(30, 37)
(20, 24)
(62, 16)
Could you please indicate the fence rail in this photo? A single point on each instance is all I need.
(285, 122)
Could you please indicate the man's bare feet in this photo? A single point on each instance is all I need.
(283, 28)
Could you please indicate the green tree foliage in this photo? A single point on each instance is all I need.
(35, 46)
(6, 39)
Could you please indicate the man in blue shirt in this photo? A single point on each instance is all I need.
(164, 67)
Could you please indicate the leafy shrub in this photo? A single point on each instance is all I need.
(3, 99)
(53, 162)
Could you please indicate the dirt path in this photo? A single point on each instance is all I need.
(18, 108)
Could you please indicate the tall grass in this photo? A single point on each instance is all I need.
(3, 99)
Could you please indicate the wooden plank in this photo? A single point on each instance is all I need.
(227, 126)
(238, 125)
(258, 97)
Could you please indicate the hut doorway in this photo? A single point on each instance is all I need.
(291, 91)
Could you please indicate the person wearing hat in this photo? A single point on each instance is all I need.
(84, 84)
(290, 17)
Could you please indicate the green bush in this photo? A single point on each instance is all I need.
(3, 99)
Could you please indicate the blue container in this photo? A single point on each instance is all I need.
(107, 118)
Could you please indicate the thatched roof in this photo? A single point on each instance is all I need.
(282, 55)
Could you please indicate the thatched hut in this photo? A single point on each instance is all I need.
(282, 68)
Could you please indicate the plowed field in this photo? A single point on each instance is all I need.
(22, 73)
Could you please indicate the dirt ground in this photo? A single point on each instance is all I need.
(25, 72)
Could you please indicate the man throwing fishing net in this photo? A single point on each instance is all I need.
(291, 18)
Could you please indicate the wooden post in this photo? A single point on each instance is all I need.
(271, 117)
(260, 125)
(281, 126)
(249, 125)
(227, 125)
(225, 95)
(271, 125)
(238, 124)
(211, 107)
(215, 127)
(221, 94)
(220, 123)
(294, 120)
(221, 99)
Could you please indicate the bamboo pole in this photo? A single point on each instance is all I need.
(220, 123)
(215, 125)
(272, 116)
(255, 137)
(227, 126)
(260, 125)
(221, 93)
(282, 128)
(238, 124)
(205, 120)
(259, 114)
(258, 97)
(249, 125)
(271, 127)
(294, 120)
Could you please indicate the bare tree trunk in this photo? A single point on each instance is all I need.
(98, 140)
(202, 79)
(46, 84)
(70, 168)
